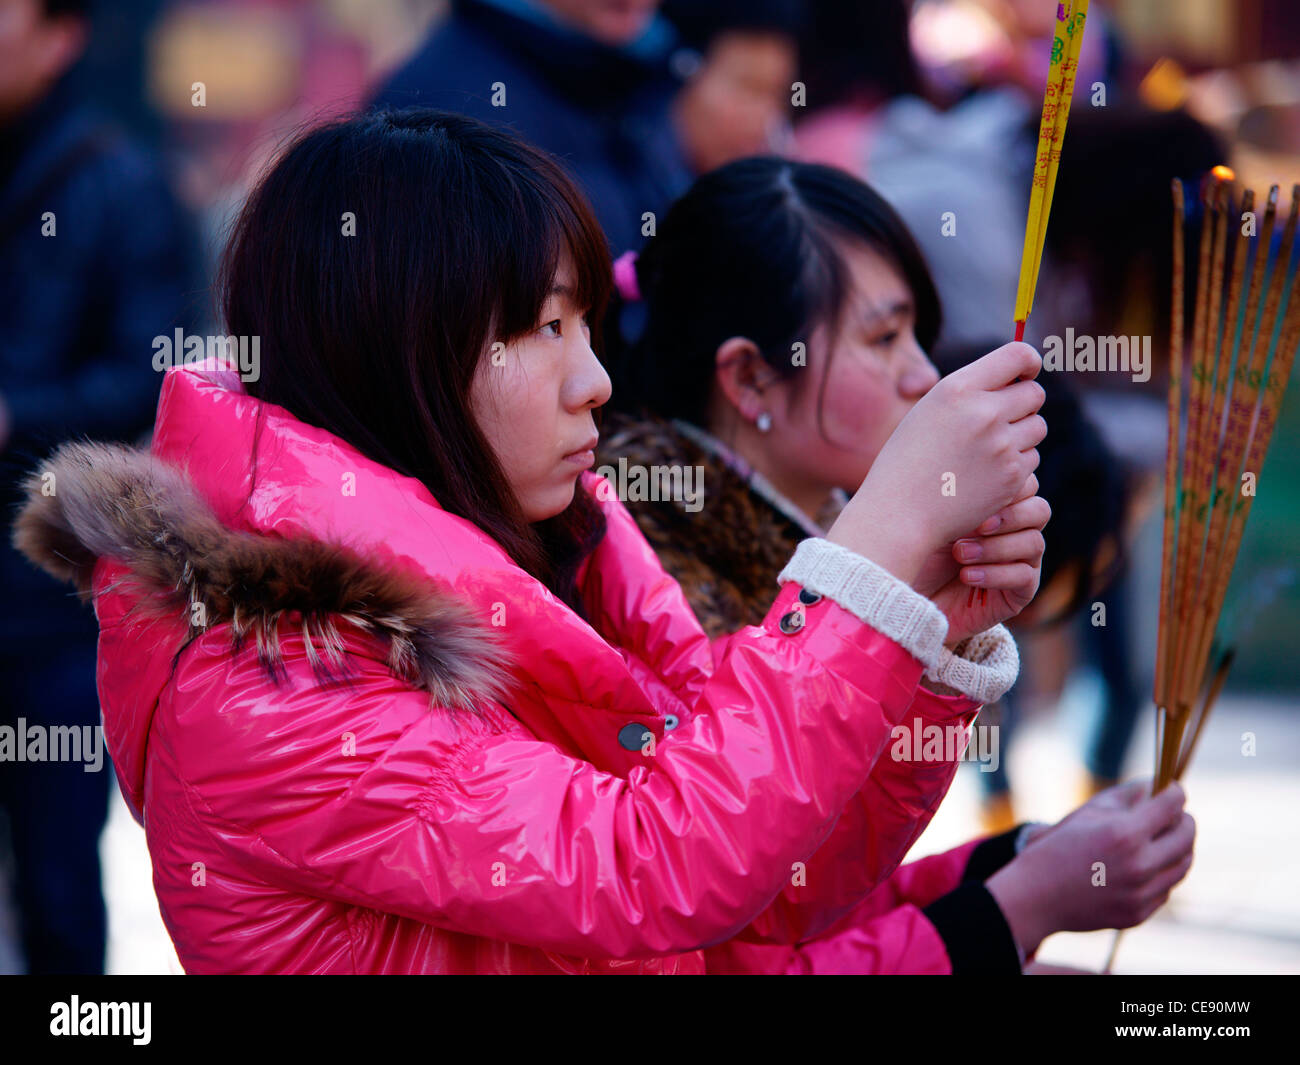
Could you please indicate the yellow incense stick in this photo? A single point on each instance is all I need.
(1074, 27)
(1067, 40)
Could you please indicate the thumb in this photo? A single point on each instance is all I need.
(1155, 814)
(1128, 794)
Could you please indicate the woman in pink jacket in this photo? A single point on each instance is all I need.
(391, 691)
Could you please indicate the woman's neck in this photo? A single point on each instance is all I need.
(806, 496)
(809, 497)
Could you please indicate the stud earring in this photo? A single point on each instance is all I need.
(763, 422)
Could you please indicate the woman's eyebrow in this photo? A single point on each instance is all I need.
(874, 314)
(569, 294)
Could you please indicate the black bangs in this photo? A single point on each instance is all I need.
(553, 221)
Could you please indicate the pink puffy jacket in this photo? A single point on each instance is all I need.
(451, 771)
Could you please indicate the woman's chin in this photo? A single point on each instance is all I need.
(556, 501)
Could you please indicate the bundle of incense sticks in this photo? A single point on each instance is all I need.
(1067, 41)
(1225, 395)
(1223, 407)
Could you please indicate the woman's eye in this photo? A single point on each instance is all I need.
(552, 325)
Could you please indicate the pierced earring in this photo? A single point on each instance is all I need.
(763, 422)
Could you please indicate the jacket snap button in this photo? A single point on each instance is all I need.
(808, 598)
(670, 722)
(792, 622)
(630, 736)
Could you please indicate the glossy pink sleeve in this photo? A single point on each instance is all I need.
(920, 882)
(886, 932)
(877, 827)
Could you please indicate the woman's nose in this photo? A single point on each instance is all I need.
(920, 376)
(588, 385)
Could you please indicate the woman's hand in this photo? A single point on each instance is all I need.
(1005, 556)
(963, 453)
(1110, 864)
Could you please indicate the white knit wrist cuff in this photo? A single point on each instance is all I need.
(982, 668)
(871, 593)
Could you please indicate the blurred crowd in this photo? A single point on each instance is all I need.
(133, 131)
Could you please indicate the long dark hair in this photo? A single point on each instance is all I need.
(375, 337)
(755, 249)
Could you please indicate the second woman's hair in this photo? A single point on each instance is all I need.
(756, 249)
(377, 260)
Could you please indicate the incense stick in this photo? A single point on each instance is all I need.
(1058, 94)
(1211, 697)
(1073, 26)
(1171, 454)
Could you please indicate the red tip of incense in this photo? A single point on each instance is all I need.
(1224, 173)
(1020, 331)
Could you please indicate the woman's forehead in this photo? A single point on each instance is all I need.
(875, 275)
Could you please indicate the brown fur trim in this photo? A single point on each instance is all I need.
(110, 501)
(726, 555)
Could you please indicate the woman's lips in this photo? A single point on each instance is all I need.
(585, 456)
(584, 459)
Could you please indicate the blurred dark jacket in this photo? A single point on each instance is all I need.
(605, 112)
(78, 311)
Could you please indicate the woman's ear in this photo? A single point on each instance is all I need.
(743, 377)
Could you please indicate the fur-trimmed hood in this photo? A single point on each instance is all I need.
(91, 501)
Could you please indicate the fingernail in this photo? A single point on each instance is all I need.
(992, 524)
(969, 551)
(973, 576)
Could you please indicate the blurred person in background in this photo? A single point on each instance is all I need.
(95, 262)
(737, 101)
(591, 81)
